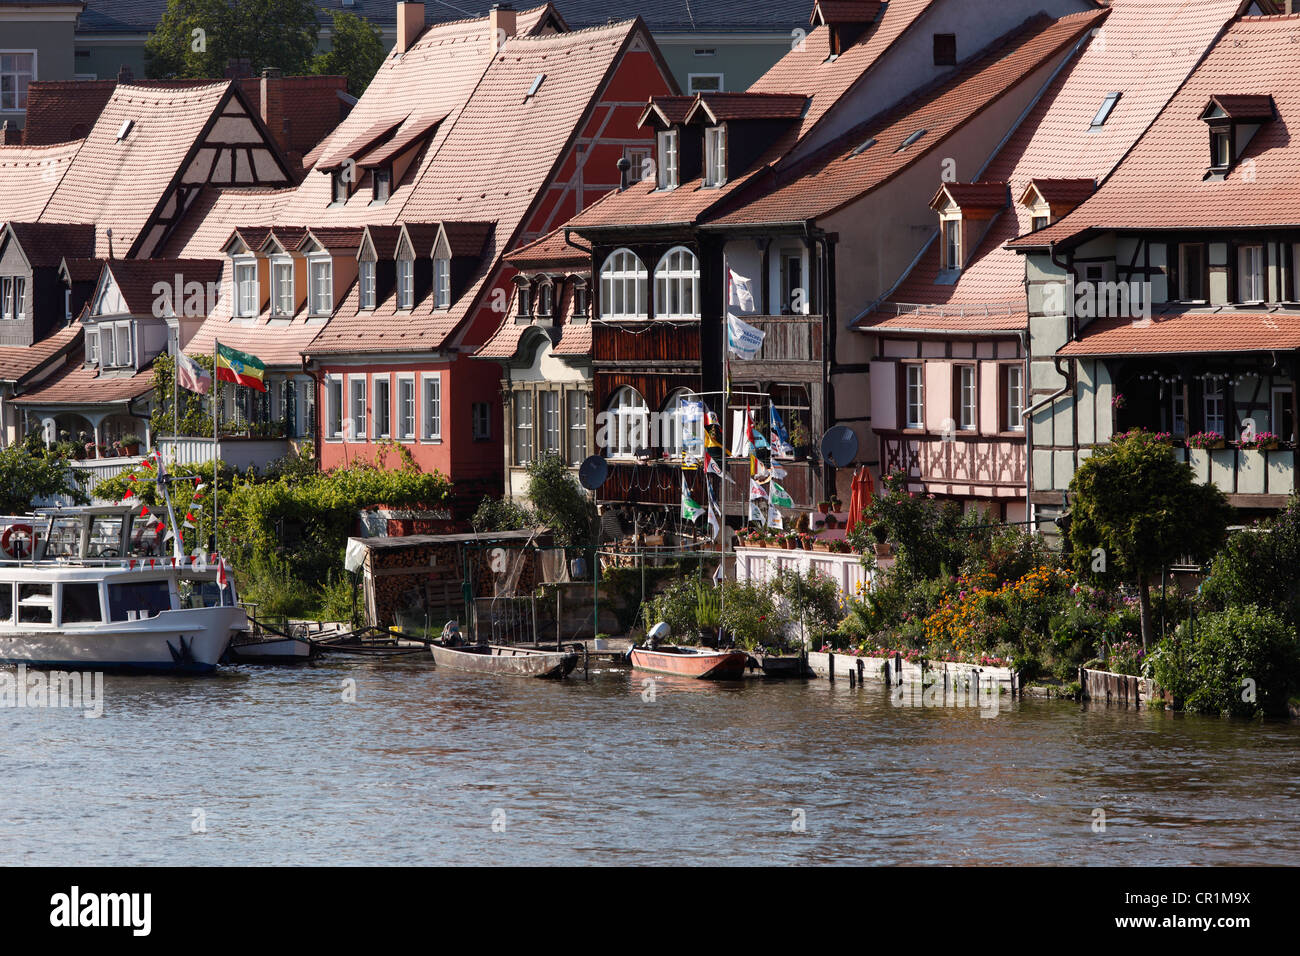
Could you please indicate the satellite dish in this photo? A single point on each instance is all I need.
(840, 446)
(593, 472)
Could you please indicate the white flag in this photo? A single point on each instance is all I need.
(774, 516)
(742, 295)
(743, 339)
(715, 524)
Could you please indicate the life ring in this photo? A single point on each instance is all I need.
(22, 529)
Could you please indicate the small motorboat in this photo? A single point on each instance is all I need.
(271, 650)
(699, 662)
(504, 660)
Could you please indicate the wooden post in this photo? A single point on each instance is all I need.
(861, 670)
(831, 672)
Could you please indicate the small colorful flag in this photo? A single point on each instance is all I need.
(780, 496)
(774, 516)
(240, 368)
(221, 572)
(691, 509)
(192, 376)
(756, 490)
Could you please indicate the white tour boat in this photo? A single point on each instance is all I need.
(94, 588)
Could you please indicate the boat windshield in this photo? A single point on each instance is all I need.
(146, 538)
(65, 538)
(196, 594)
(105, 537)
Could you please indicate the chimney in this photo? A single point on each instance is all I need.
(502, 20)
(410, 24)
(125, 74)
(272, 98)
(238, 68)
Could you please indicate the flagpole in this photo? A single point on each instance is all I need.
(726, 413)
(216, 410)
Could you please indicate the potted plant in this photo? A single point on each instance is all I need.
(129, 444)
(1207, 441)
(708, 615)
(1261, 441)
(800, 440)
(824, 506)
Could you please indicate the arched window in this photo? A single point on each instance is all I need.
(682, 425)
(627, 429)
(623, 286)
(677, 285)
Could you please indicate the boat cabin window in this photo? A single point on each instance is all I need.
(206, 594)
(146, 538)
(105, 537)
(65, 538)
(36, 604)
(138, 599)
(80, 603)
(6, 603)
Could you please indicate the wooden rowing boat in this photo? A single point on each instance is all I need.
(505, 661)
(699, 662)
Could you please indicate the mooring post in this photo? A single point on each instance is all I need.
(851, 673)
(861, 670)
(831, 671)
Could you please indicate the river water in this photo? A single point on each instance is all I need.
(273, 766)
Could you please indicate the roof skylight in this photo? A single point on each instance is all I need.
(912, 137)
(1103, 112)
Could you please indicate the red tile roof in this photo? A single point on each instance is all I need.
(846, 11)
(1244, 106)
(80, 384)
(1062, 192)
(29, 176)
(1150, 47)
(212, 215)
(135, 278)
(844, 171)
(46, 243)
(19, 361)
(467, 238)
(552, 250)
(720, 107)
(62, 110)
(1162, 183)
(1195, 332)
(974, 195)
(668, 109)
(83, 270)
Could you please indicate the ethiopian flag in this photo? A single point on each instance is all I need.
(240, 368)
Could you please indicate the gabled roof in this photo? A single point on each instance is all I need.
(1162, 183)
(382, 240)
(463, 238)
(667, 110)
(337, 240)
(135, 278)
(250, 237)
(1193, 331)
(971, 196)
(845, 11)
(44, 244)
(19, 361)
(720, 107)
(74, 269)
(1058, 192)
(63, 110)
(1151, 46)
(1239, 106)
(551, 251)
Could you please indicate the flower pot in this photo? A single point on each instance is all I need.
(821, 546)
(883, 550)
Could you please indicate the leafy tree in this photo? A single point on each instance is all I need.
(1258, 566)
(28, 471)
(356, 51)
(498, 514)
(197, 38)
(1143, 509)
(559, 501)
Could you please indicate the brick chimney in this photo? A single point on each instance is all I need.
(502, 19)
(410, 24)
(272, 97)
(125, 74)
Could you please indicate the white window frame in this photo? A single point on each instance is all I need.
(692, 89)
(359, 422)
(1214, 406)
(405, 284)
(7, 297)
(282, 308)
(92, 346)
(914, 395)
(366, 284)
(107, 352)
(677, 285)
(1014, 398)
(246, 297)
(523, 433)
(318, 267)
(32, 77)
(335, 398)
(967, 398)
(715, 155)
(442, 283)
(950, 241)
(575, 425)
(1251, 285)
(431, 406)
(122, 344)
(407, 417)
(630, 421)
(623, 273)
(640, 163)
(669, 143)
(381, 429)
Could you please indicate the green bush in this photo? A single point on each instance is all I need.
(499, 514)
(752, 616)
(1258, 566)
(810, 600)
(28, 471)
(678, 606)
(1206, 663)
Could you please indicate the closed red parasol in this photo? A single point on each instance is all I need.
(864, 490)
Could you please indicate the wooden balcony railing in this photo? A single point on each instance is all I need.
(660, 483)
(789, 338)
(959, 460)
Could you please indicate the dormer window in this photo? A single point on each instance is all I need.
(246, 298)
(282, 288)
(1233, 120)
(92, 347)
(669, 165)
(545, 298)
(945, 49)
(13, 294)
(321, 274)
(366, 279)
(382, 184)
(525, 298)
(1220, 149)
(405, 283)
(715, 156)
(442, 283)
(952, 243)
(340, 184)
(581, 298)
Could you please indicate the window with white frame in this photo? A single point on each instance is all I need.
(1250, 274)
(914, 399)
(321, 272)
(333, 408)
(382, 406)
(246, 288)
(357, 408)
(669, 159)
(366, 283)
(7, 297)
(432, 402)
(966, 419)
(107, 356)
(481, 420)
(1177, 412)
(442, 283)
(640, 163)
(405, 283)
(122, 333)
(628, 431)
(92, 346)
(548, 407)
(623, 286)
(282, 287)
(1014, 391)
(704, 83)
(1215, 408)
(523, 407)
(673, 436)
(17, 71)
(405, 407)
(575, 405)
(715, 156)
(952, 243)
(677, 285)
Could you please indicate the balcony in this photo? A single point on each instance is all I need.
(659, 482)
(789, 338)
(957, 465)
